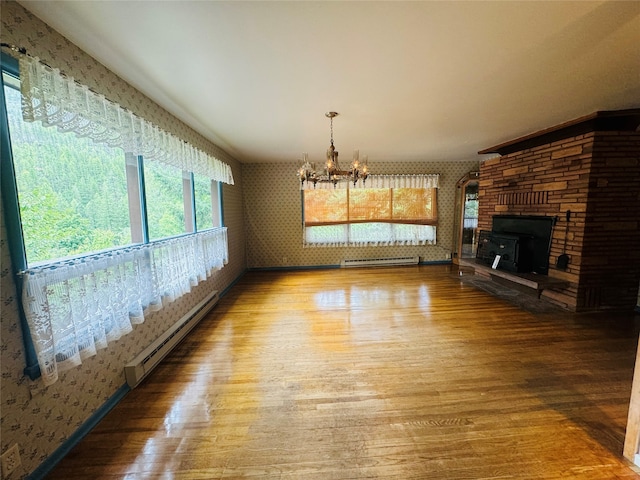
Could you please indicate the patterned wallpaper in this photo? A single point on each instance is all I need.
(273, 216)
(41, 419)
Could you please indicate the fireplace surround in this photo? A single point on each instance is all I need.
(591, 167)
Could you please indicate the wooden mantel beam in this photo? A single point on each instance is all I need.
(603, 121)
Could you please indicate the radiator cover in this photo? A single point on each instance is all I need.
(371, 262)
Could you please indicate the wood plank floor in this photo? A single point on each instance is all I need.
(399, 373)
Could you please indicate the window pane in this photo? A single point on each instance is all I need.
(414, 233)
(325, 206)
(72, 193)
(202, 192)
(165, 206)
(413, 203)
(327, 234)
(370, 232)
(369, 204)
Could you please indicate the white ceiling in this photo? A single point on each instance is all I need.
(412, 81)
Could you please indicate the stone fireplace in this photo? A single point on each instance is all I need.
(586, 174)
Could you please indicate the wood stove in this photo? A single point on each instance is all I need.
(522, 241)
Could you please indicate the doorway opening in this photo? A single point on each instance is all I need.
(466, 229)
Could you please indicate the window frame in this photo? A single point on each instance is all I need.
(134, 165)
(215, 204)
(11, 209)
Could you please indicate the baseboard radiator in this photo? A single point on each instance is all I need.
(136, 370)
(372, 262)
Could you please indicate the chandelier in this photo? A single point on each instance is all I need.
(332, 171)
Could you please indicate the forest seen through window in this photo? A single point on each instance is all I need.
(73, 194)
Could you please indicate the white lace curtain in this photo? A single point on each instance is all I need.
(381, 181)
(372, 235)
(56, 100)
(76, 307)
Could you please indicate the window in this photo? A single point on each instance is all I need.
(164, 192)
(99, 237)
(207, 202)
(392, 215)
(72, 193)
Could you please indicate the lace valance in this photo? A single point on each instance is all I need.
(57, 100)
(382, 181)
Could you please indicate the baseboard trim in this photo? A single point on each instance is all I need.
(52, 460)
(232, 284)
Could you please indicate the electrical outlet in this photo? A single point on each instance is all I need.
(10, 460)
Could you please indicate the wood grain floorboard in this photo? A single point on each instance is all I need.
(388, 373)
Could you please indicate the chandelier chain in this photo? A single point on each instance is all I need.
(331, 117)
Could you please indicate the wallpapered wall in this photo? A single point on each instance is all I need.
(41, 419)
(273, 214)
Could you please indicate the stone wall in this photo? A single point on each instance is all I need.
(595, 176)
